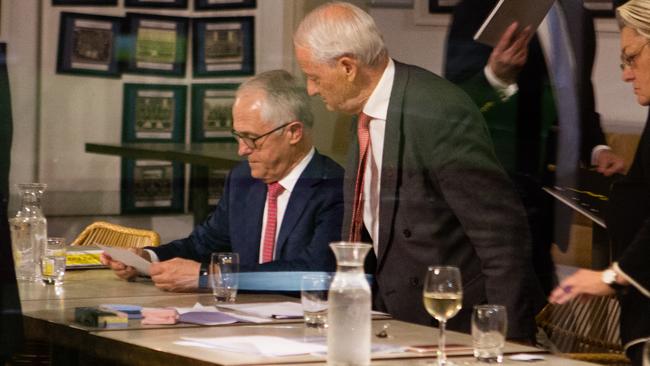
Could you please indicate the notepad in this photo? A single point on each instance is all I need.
(524, 12)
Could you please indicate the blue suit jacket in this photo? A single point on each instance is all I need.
(311, 221)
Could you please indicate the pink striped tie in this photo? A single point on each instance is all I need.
(274, 190)
(357, 209)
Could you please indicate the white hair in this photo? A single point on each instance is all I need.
(635, 14)
(285, 100)
(336, 29)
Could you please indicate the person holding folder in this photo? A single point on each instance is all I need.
(629, 201)
(512, 87)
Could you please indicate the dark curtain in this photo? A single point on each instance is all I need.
(10, 314)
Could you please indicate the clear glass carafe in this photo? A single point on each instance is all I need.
(349, 309)
(29, 232)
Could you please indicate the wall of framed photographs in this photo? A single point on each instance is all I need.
(111, 72)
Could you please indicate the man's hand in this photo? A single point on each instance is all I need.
(582, 282)
(120, 269)
(608, 163)
(510, 54)
(177, 275)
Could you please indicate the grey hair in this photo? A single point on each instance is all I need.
(635, 14)
(336, 29)
(285, 99)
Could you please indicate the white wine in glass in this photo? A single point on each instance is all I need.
(443, 298)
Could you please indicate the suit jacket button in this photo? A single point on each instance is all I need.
(414, 281)
(407, 233)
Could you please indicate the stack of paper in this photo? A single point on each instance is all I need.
(264, 345)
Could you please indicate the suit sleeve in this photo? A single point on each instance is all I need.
(485, 203)
(210, 236)
(634, 261)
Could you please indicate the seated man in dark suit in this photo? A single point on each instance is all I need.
(271, 120)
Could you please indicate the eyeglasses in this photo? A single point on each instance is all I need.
(629, 60)
(250, 141)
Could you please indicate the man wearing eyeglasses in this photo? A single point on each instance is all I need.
(280, 209)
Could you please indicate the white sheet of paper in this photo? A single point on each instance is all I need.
(276, 310)
(127, 257)
(264, 345)
(242, 317)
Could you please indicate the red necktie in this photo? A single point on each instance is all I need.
(274, 190)
(357, 209)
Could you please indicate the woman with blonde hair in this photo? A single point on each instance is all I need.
(629, 212)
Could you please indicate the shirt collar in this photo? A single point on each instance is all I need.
(377, 105)
(290, 180)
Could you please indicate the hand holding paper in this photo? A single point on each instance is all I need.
(127, 258)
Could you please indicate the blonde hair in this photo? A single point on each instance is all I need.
(336, 29)
(635, 14)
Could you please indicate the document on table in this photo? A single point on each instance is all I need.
(277, 310)
(127, 257)
(272, 310)
(209, 315)
(264, 345)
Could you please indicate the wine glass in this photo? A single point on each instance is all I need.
(443, 298)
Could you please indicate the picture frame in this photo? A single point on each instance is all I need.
(224, 4)
(154, 113)
(88, 45)
(152, 186)
(212, 112)
(155, 44)
(160, 4)
(216, 184)
(85, 2)
(223, 46)
(442, 6)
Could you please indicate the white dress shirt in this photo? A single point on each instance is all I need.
(377, 108)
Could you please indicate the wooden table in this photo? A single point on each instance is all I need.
(201, 156)
(48, 316)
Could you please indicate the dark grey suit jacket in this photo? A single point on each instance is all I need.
(445, 200)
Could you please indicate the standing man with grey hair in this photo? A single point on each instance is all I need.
(422, 183)
(280, 209)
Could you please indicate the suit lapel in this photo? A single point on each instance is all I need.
(391, 160)
(302, 192)
(252, 220)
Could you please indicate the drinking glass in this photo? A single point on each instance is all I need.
(443, 298)
(224, 276)
(313, 296)
(53, 261)
(489, 327)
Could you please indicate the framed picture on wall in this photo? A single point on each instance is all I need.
(223, 4)
(216, 183)
(212, 112)
(88, 45)
(85, 2)
(154, 113)
(223, 46)
(156, 44)
(174, 4)
(442, 6)
(152, 186)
